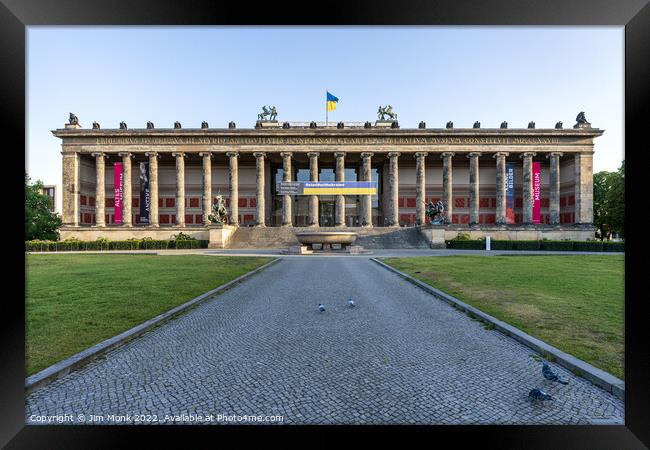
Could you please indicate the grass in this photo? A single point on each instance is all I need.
(75, 301)
(575, 303)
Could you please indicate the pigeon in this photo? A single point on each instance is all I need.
(321, 308)
(351, 303)
(550, 375)
(538, 394)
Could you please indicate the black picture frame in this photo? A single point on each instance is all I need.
(634, 15)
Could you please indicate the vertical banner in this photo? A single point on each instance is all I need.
(118, 183)
(537, 191)
(510, 192)
(145, 193)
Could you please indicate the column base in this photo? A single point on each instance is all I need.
(260, 225)
(154, 225)
(287, 224)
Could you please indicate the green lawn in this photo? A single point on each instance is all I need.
(575, 303)
(75, 301)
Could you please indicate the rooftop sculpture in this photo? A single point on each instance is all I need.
(73, 120)
(382, 112)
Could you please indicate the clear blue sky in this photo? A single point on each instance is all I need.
(218, 74)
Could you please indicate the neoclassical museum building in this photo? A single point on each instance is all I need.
(471, 170)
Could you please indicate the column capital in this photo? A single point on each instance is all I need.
(259, 155)
(232, 154)
(500, 154)
(394, 154)
(179, 154)
(474, 154)
(152, 154)
(313, 154)
(127, 154)
(204, 154)
(286, 154)
(548, 155)
(100, 154)
(367, 154)
(447, 154)
(527, 155)
(339, 154)
(421, 154)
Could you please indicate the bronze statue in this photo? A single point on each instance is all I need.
(395, 124)
(219, 214)
(123, 125)
(312, 124)
(150, 125)
(434, 212)
(531, 124)
(422, 125)
(274, 113)
(367, 125)
(177, 125)
(504, 124)
(232, 125)
(73, 120)
(95, 126)
(386, 111)
(558, 125)
(450, 124)
(477, 124)
(286, 125)
(581, 117)
(340, 125)
(265, 112)
(204, 124)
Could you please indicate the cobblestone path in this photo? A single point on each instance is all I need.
(264, 349)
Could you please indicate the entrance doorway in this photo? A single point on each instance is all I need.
(326, 209)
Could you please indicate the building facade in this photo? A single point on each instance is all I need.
(463, 167)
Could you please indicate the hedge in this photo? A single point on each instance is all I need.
(131, 244)
(576, 246)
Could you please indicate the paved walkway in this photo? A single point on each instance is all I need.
(263, 348)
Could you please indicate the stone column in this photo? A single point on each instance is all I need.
(527, 196)
(366, 200)
(393, 187)
(180, 188)
(153, 188)
(313, 200)
(287, 219)
(207, 186)
(259, 188)
(233, 180)
(447, 191)
(339, 216)
(420, 190)
(501, 187)
(127, 219)
(474, 185)
(70, 189)
(554, 188)
(584, 188)
(100, 190)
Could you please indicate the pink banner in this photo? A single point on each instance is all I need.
(537, 191)
(118, 182)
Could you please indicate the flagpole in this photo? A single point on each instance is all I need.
(326, 111)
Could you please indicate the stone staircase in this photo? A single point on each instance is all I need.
(370, 238)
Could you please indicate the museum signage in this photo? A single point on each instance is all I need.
(537, 191)
(327, 188)
(118, 183)
(510, 193)
(145, 193)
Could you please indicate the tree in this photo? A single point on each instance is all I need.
(40, 221)
(609, 202)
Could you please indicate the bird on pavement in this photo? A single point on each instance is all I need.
(351, 303)
(321, 308)
(550, 375)
(538, 394)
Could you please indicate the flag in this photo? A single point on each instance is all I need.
(331, 102)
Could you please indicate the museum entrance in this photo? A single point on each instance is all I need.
(326, 210)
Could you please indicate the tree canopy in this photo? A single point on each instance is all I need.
(40, 221)
(609, 202)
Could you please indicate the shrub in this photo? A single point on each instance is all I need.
(129, 244)
(525, 245)
(461, 236)
(556, 245)
(613, 246)
(501, 245)
(588, 246)
(466, 244)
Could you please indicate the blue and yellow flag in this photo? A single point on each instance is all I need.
(331, 102)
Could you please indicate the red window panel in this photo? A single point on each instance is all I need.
(454, 218)
(94, 219)
(252, 202)
(137, 218)
(173, 218)
(400, 202)
(198, 218)
(91, 201)
(484, 202)
(405, 218)
(87, 218)
(242, 202)
(459, 202)
(189, 218)
(410, 202)
(194, 202)
(170, 202)
(573, 217)
(562, 201)
(110, 202)
(572, 200)
(518, 202)
(544, 202)
(135, 202)
(83, 200)
(248, 217)
(464, 218)
(164, 218)
(239, 219)
(494, 203)
(107, 219)
(160, 203)
(435, 200)
(490, 218)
